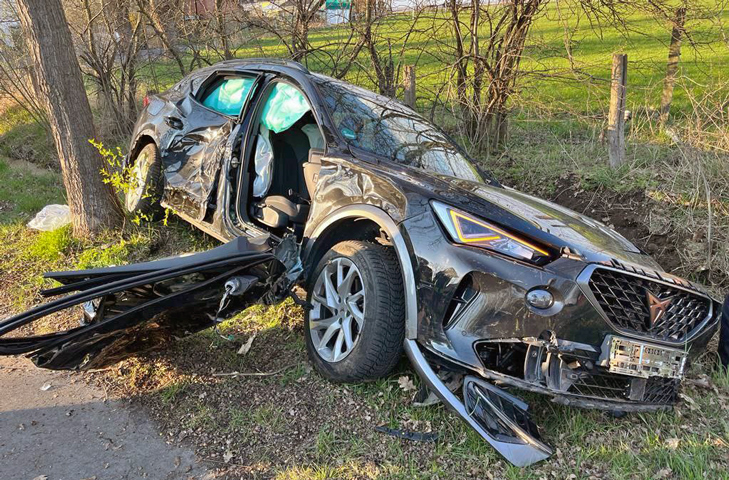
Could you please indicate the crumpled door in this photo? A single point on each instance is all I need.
(122, 310)
(192, 157)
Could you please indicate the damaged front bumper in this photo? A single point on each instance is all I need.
(501, 419)
(621, 375)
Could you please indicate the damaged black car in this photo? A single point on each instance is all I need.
(402, 243)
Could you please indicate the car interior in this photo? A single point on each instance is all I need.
(285, 160)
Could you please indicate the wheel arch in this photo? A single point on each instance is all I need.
(140, 142)
(364, 222)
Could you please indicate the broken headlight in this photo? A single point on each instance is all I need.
(469, 230)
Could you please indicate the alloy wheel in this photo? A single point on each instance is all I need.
(138, 181)
(337, 317)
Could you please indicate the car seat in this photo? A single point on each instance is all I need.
(280, 180)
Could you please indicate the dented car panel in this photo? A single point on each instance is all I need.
(502, 290)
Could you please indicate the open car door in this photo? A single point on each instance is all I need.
(198, 138)
(128, 308)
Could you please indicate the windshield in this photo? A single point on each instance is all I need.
(386, 128)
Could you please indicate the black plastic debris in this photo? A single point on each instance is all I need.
(133, 307)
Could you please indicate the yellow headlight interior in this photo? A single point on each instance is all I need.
(469, 230)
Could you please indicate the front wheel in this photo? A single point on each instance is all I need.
(355, 330)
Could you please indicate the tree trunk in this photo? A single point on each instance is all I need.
(58, 83)
(674, 54)
(221, 30)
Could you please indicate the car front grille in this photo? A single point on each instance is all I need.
(658, 390)
(626, 301)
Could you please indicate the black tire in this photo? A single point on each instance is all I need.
(147, 205)
(380, 342)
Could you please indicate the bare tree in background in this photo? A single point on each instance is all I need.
(108, 45)
(16, 72)
(386, 63)
(291, 24)
(487, 44)
(58, 83)
(155, 12)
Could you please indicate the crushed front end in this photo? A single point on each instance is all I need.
(598, 333)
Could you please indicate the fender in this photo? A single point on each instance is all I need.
(406, 266)
(147, 131)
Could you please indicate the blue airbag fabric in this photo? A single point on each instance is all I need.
(229, 96)
(284, 107)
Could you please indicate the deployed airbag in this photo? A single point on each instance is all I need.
(284, 107)
(229, 96)
(263, 164)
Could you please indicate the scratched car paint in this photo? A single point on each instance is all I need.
(403, 244)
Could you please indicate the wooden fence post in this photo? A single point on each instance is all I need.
(616, 116)
(674, 54)
(409, 84)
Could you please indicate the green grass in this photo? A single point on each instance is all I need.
(25, 189)
(26, 254)
(172, 392)
(562, 90)
(23, 139)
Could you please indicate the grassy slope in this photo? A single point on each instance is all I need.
(644, 39)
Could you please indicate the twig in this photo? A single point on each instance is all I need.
(255, 374)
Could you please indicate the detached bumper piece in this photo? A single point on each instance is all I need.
(505, 419)
(500, 418)
(123, 310)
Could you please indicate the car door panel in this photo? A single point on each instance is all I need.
(126, 309)
(192, 158)
(197, 139)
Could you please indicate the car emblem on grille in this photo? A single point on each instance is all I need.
(658, 307)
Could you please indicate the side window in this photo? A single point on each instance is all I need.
(228, 95)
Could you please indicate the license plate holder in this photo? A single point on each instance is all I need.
(639, 359)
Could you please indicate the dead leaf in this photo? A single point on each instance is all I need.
(690, 402)
(246, 347)
(673, 443)
(663, 473)
(406, 384)
(227, 456)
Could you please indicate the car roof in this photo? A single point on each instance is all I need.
(276, 64)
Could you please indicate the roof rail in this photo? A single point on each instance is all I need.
(271, 61)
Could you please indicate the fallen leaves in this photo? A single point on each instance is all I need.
(673, 443)
(663, 473)
(406, 383)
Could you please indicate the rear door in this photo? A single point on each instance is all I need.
(198, 138)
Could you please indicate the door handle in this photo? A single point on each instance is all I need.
(174, 122)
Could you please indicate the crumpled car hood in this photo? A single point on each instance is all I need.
(544, 221)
